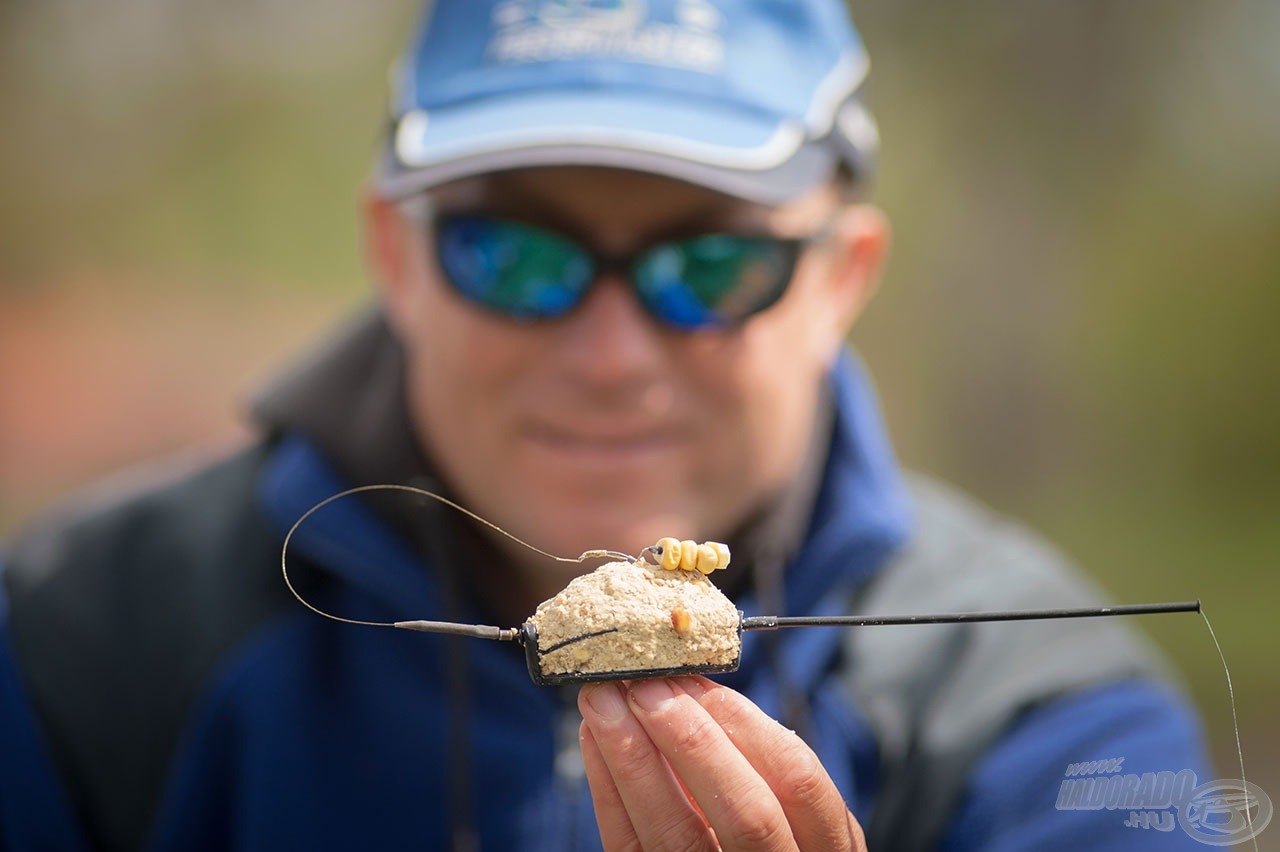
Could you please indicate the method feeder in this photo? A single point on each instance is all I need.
(713, 556)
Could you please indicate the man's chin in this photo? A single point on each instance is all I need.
(603, 466)
(615, 529)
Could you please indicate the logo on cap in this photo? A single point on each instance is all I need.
(551, 30)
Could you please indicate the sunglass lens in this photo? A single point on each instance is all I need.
(520, 271)
(714, 280)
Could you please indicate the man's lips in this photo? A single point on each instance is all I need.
(604, 444)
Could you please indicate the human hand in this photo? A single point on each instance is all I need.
(684, 763)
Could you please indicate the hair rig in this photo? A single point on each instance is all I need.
(657, 614)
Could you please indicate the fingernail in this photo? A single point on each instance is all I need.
(654, 695)
(695, 687)
(605, 700)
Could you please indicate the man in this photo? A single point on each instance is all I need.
(618, 248)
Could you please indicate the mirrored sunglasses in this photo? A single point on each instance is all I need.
(531, 273)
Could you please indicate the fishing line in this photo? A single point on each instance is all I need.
(1235, 724)
(482, 631)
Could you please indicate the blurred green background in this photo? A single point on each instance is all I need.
(1077, 325)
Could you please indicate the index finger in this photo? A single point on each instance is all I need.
(817, 811)
(638, 799)
(810, 800)
(734, 798)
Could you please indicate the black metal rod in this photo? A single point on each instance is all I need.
(773, 622)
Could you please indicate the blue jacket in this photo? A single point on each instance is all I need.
(158, 689)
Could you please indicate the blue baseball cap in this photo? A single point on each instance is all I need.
(754, 98)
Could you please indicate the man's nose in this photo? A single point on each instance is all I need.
(610, 339)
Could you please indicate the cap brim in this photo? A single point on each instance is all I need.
(735, 151)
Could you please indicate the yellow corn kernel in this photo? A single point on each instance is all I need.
(722, 554)
(689, 555)
(681, 621)
(670, 558)
(708, 559)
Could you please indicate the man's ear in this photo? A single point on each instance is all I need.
(859, 247)
(386, 254)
